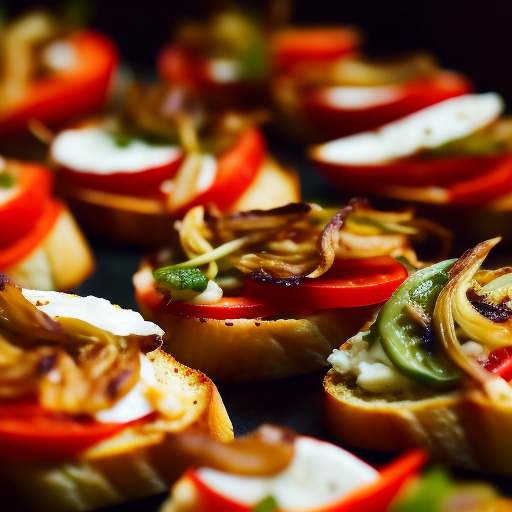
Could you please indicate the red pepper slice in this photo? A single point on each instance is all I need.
(226, 308)
(485, 187)
(332, 121)
(407, 172)
(24, 246)
(67, 93)
(141, 183)
(28, 432)
(295, 46)
(499, 362)
(348, 283)
(32, 188)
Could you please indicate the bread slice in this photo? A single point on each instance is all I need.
(61, 261)
(137, 462)
(147, 222)
(462, 427)
(261, 348)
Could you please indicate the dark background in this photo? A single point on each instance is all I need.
(474, 37)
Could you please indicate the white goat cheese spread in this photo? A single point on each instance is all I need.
(319, 473)
(94, 150)
(362, 97)
(430, 127)
(59, 55)
(370, 364)
(224, 70)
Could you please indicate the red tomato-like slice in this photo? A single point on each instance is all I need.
(31, 192)
(499, 362)
(374, 497)
(140, 182)
(23, 246)
(411, 96)
(413, 172)
(236, 170)
(179, 65)
(69, 93)
(348, 283)
(295, 46)
(377, 496)
(227, 308)
(27, 431)
(484, 187)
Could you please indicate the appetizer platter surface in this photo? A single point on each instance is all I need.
(275, 276)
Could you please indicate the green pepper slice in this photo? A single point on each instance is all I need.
(404, 340)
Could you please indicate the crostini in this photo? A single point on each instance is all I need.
(52, 72)
(433, 370)
(320, 477)
(90, 407)
(452, 160)
(41, 245)
(127, 180)
(264, 294)
(320, 100)
(454, 152)
(223, 59)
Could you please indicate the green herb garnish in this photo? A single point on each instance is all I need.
(181, 278)
(269, 504)
(7, 180)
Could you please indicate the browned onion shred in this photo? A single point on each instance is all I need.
(330, 237)
(228, 227)
(69, 365)
(265, 452)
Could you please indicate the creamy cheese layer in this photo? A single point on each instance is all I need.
(319, 473)
(94, 150)
(59, 55)
(359, 98)
(224, 70)
(369, 364)
(122, 322)
(430, 127)
(94, 310)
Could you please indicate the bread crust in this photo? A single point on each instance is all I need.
(61, 261)
(257, 349)
(147, 222)
(462, 427)
(135, 463)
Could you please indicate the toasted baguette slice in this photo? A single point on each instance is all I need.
(60, 262)
(135, 463)
(258, 349)
(463, 427)
(147, 222)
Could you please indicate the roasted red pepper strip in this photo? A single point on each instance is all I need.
(70, 92)
(28, 432)
(31, 189)
(23, 247)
